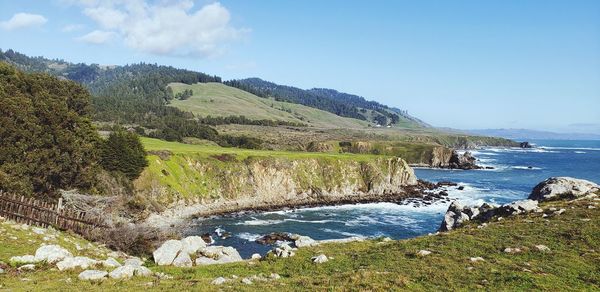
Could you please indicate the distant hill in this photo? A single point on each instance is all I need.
(219, 100)
(525, 134)
(137, 93)
(339, 103)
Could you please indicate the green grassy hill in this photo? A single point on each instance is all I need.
(219, 100)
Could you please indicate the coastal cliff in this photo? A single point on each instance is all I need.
(202, 185)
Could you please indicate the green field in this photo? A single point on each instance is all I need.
(216, 99)
(572, 264)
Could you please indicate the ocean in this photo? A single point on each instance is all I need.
(516, 171)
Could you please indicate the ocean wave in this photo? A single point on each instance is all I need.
(580, 152)
(526, 167)
(248, 236)
(344, 233)
(521, 150)
(260, 222)
(571, 148)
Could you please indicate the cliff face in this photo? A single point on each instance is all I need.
(440, 157)
(192, 185)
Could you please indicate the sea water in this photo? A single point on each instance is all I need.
(516, 171)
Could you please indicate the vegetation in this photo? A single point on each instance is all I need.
(123, 152)
(571, 263)
(46, 136)
(218, 100)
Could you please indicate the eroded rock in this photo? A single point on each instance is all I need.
(557, 187)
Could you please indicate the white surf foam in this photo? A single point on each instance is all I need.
(580, 152)
(526, 167)
(344, 233)
(248, 236)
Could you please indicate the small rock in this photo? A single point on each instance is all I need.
(423, 253)
(303, 241)
(123, 272)
(275, 276)
(247, 281)
(28, 267)
(92, 275)
(142, 272)
(26, 259)
(476, 259)
(135, 262)
(320, 259)
(219, 281)
(386, 239)
(541, 247)
(1, 271)
(163, 276)
(256, 256)
(512, 250)
(559, 211)
(111, 263)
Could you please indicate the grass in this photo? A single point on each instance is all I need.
(216, 99)
(207, 151)
(573, 262)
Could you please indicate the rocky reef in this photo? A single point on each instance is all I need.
(550, 189)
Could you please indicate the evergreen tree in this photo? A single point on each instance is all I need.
(123, 152)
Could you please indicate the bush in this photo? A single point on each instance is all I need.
(123, 152)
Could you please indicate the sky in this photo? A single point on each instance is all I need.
(462, 64)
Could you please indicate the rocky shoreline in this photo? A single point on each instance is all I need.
(422, 192)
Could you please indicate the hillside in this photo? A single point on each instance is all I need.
(342, 104)
(571, 263)
(217, 99)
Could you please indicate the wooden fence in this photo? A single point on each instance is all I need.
(35, 212)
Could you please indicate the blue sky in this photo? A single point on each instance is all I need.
(461, 64)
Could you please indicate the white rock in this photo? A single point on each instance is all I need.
(26, 259)
(192, 244)
(275, 276)
(219, 281)
(92, 275)
(75, 262)
(256, 256)
(247, 281)
(51, 253)
(512, 250)
(123, 272)
(423, 253)
(28, 267)
(1, 271)
(167, 252)
(134, 261)
(183, 260)
(477, 259)
(320, 259)
(304, 241)
(556, 187)
(541, 247)
(111, 263)
(218, 255)
(38, 230)
(142, 272)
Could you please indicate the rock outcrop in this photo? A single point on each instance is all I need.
(558, 187)
(525, 145)
(463, 161)
(457, 215)
(180, 253)
(213, 187)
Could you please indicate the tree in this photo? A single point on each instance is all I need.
(123, 152)
(47, 140)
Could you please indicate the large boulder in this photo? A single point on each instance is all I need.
(76, 262)
(183, 260)
(193, 244)
(51, 253)
(303, 241)
(557, 187)
(454, 217)
(167, 252)
(463, 161)
(218, 255)
(123, 272)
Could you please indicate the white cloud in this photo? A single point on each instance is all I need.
(165, 27)
(97, 37)
(23, 20)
